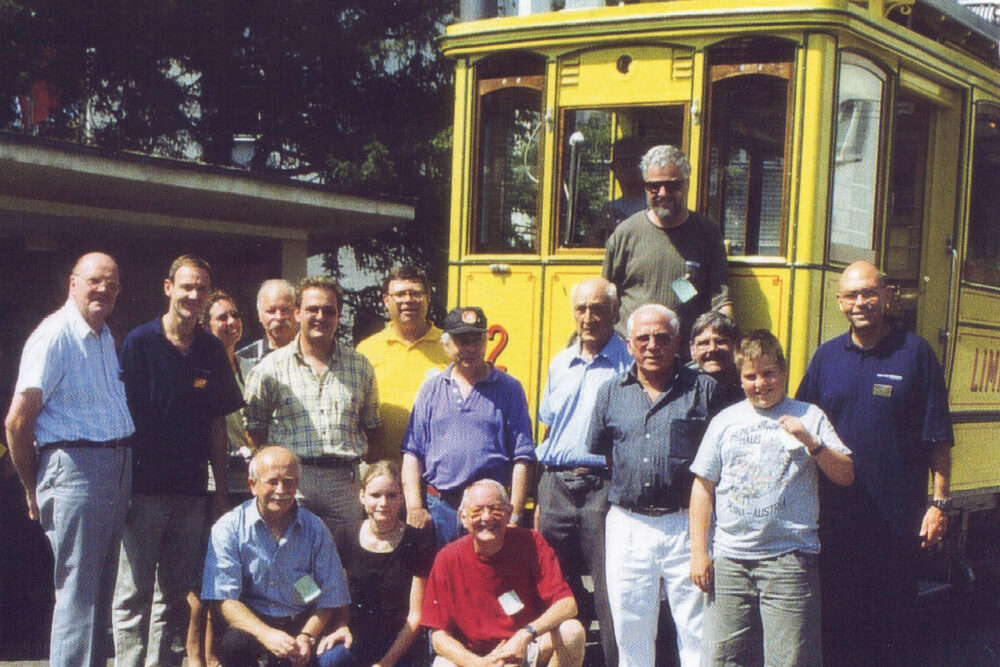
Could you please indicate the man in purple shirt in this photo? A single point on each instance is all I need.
(468, 423)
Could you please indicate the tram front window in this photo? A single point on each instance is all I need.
(982, 263)
(510, 127)
(600, 184)
(749, 103)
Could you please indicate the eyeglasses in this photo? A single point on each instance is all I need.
(866, 294)
(475, 512)
(94, 283)
(416, 295)
(326, 311)
(661, 338)
(705, 343)
(672, 186)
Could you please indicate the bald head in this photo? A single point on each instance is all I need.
(864, 298)
(273, 456)
(863, 270)
(94, 286)
(595, 310)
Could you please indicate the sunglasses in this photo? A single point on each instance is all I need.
(672, 186)
(661, 338)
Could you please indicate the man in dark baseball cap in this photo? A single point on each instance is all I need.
(468, 423)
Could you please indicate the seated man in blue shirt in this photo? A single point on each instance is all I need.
(273, 568)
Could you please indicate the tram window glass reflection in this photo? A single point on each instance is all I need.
(509, 113)
(600, 184)
(749, 103)
(856, 163)
(982, 257)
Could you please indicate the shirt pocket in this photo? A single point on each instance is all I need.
(685, 436)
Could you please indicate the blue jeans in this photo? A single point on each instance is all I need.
(338, 656)
(82, 500)
(447, 527)
(783, 593)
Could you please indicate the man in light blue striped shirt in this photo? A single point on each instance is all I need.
(67, 429)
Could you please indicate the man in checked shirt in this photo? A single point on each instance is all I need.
(318, 398)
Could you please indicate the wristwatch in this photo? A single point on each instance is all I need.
(312, 640)
(531, 631)
(943, 504)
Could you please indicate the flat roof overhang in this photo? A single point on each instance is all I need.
(44, 183)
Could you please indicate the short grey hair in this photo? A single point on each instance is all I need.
(275, 284)
(491, 483)
(664, 156)
(671, 316)
(720, 322)
(253, 469)
(610, 291)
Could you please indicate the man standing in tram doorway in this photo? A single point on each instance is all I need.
(883, 389)
(68, 430)
(666, 253)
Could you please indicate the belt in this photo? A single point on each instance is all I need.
(579, 470)
(452, 497)
(328, 461)
(117, 443)
(652, 511)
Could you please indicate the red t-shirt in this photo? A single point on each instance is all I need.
(463, 590)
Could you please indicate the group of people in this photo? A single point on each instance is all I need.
(356, 496)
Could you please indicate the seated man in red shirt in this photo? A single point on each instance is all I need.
(496, 597)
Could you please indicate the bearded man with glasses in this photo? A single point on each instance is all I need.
(648, 423)
(666, 253)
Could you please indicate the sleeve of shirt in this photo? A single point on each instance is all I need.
(828, 435)
(718, 270)
(518, 424)
(132, 371)
(436, 612)
(545, 414)
(552, 586)
(937, 420)
(599, 436)
(41, 362)
(228, 397)
(807, 387)
(613, 268)
(417, 430)
(223, 577)
(328, 571)
(708, 461)
(257, 395)
(369, 411)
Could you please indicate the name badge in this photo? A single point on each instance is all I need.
(684, 289)
(307, 588)
(510, 603)
(883, 390)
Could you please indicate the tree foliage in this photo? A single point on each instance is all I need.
(350, 93)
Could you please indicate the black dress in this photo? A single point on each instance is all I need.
(380, 586)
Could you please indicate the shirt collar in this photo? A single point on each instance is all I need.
(254, 517)
(297, 351)
(79, 325)
(888, 341)
(392, 335)
(490, 378)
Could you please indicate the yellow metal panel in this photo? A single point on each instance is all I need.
(695, 125)
(979, 307)
(460, 160)
(511, 300)
(834, 321)
(558, 323)
(975, 375)
(760, 298)
(654, 74)
(974, 457)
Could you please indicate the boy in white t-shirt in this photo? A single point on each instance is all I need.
(758, 468)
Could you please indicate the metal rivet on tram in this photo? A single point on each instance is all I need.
(623, 63)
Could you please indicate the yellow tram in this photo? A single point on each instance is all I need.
(820, 132)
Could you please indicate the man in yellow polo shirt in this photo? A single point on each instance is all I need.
(404, 354)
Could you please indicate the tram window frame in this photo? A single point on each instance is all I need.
(524, 73)
(768, 59)
(633, 126)
(983, 231)
(850, 148)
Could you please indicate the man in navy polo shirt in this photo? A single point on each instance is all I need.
(883, 390)
(179, 386)
(468, 423)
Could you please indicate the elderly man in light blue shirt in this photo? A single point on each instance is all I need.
(573, 488)
(67, 430)
(274, 570)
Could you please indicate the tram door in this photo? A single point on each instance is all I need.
(920, 211)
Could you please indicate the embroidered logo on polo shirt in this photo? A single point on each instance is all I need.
(883, 390)
(200, 383)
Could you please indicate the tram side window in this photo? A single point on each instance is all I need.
(749, 110)
(509, 112)
(600, 184)
(982, 258)
(855, 160)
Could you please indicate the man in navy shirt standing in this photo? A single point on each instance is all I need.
(179, 386)
(883, 389)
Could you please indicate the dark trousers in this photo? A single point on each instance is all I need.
(241, 649)
(869, 598)
(571, 514)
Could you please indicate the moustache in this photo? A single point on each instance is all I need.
(280, 324)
